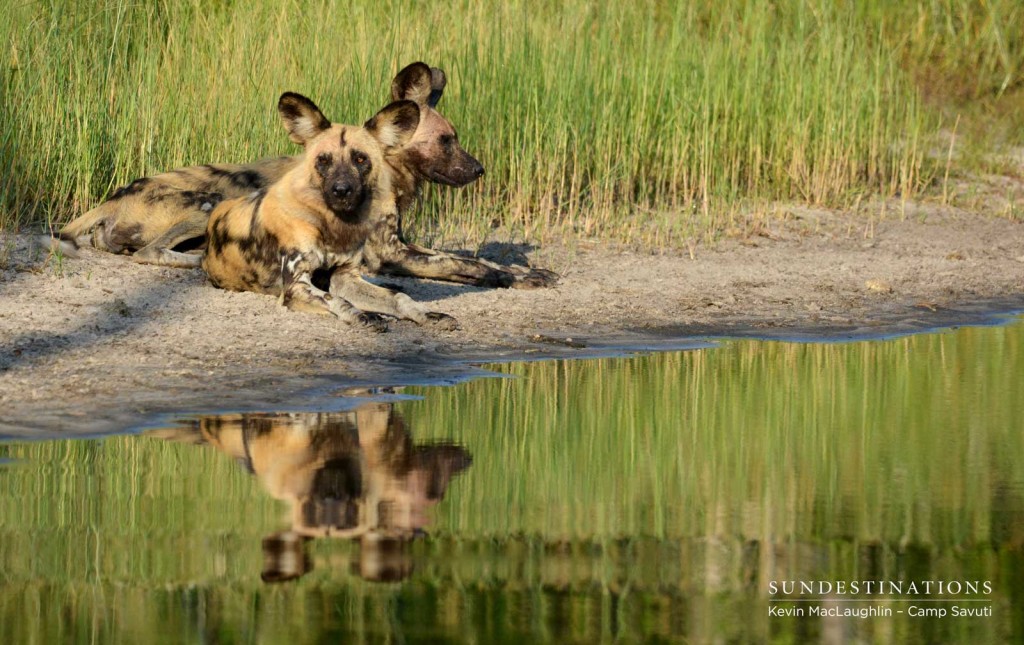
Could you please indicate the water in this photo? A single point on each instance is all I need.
(656, 498)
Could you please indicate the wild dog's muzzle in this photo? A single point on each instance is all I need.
(344, 192)
(460, 170)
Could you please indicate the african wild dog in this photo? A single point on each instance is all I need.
(355, 475)
(153, 216)
(316, 218)
(434, 155)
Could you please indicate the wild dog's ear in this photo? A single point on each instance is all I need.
(437, 82)
(395, 124)
(414, 83)
(301, 117)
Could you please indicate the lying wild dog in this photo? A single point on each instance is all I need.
(435, 155)
(153, 216)
(316, 218)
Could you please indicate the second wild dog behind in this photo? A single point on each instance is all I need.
(316, 218)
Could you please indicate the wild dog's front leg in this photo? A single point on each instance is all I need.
(386, 253)
(351, 286)
(298, 292)
(475, 271)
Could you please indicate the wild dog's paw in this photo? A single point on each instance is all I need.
(519, 277)
(372, 321)
(494, 279)
(442, 321)
(534, 279)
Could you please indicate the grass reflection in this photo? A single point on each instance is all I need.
(615, 498)
(903, 441)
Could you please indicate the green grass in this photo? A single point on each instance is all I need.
(649, 122)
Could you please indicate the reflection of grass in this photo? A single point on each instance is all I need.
(118, 491)
(652, 496)
(646, 121)
(899, 441)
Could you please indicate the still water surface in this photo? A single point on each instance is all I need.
(662, 497)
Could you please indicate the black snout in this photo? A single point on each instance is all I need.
(478, 170)
(342, 189)
(344, 193)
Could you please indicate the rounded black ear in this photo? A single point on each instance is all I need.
(413, 83)
(437, 82)
(395, 124)
(301, 117)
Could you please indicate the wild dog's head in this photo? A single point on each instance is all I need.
(343, 166)
(434, 153)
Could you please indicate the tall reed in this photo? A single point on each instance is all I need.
(646, 121)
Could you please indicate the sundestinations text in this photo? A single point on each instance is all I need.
(880, 587)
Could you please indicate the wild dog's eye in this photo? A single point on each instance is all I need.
(323, 161)
(358, 158)
(447, 139)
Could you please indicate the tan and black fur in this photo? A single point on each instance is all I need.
(152, 216)
(155, 218)
(351, 475)
(316, 218)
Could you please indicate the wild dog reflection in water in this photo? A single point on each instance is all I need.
(354, 475)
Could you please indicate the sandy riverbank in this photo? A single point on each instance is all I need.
(102, 343)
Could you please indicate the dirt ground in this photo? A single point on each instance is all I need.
(101, 344)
